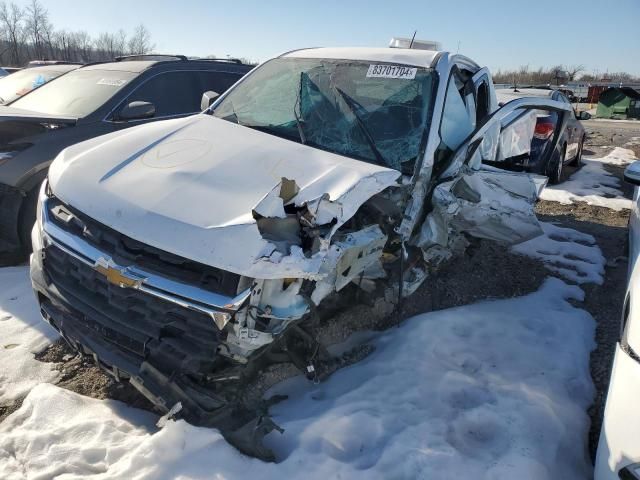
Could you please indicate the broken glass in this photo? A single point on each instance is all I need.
(336, 105)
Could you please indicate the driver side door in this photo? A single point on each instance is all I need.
(470, 197)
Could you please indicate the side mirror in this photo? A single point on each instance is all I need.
(584, 116)
(632, 173)
(207, 99)
(137, 110)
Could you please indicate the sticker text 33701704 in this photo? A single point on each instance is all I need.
(391, 71)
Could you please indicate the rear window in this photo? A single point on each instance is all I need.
(76, 94)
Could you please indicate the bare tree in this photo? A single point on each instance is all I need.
(37, 25)
(140, 41)
(11, 20)
(120, 43)
(83, 44)
(105, 45)
(27, 34)
(574, 70)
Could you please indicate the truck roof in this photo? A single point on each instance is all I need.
(403, 56)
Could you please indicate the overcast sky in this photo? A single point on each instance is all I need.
(602, 35)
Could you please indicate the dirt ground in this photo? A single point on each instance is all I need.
(485, 271)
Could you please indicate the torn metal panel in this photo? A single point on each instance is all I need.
(358, 251)
(348, 258)
(489, 204)
(272, 204)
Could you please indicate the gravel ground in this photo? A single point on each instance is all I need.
(485, 271)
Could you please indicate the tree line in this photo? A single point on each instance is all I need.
(558, 75)
(27, 34)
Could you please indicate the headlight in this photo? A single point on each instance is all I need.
(38, 228)
(42, 198)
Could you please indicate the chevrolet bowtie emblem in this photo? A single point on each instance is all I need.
(120, 276)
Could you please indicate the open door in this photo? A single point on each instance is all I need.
(471, 197)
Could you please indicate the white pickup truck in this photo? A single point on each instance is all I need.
(186, 255)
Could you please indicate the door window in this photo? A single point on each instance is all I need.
(458, 121)
(216, 81)
(482, 100)
(172, 93)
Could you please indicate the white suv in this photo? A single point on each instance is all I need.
(187, 254)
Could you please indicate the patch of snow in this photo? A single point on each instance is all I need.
(633, 141)
(23, 333)
(494, 390)
(568, 252)
(616, 120)
(593, 184)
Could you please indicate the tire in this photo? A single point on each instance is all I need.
(555, 176)
(27, 219)
(577, 161)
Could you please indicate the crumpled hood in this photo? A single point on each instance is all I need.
(189, 187)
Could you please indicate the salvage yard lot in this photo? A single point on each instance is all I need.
(505, 377)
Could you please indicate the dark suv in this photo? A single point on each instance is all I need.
(93, 100)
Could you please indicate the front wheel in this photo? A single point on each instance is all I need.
(556, 173)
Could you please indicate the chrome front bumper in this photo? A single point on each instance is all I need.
(219, 307)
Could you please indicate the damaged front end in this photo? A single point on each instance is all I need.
(191, 337)
(190, 304)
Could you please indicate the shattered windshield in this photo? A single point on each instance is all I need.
(372, 112)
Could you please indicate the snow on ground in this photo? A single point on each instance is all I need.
(22, 333)
(572, 254)
(593, 184)
(633, 141)
(494, 390)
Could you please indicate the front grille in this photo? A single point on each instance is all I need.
(171, 337)
(126, 251)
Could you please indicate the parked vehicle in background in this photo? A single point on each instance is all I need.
(545, 157)
(11, 70)
(22, 82)
(188, 255)
(90, 101)
(618, 455)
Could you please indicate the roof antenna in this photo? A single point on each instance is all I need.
(413, 38)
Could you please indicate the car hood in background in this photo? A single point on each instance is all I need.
(8, 113)
(192, 187)
(16, 123)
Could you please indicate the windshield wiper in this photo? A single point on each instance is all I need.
(351, 104)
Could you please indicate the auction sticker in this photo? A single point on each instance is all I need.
(391, 71)
(112, 82)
